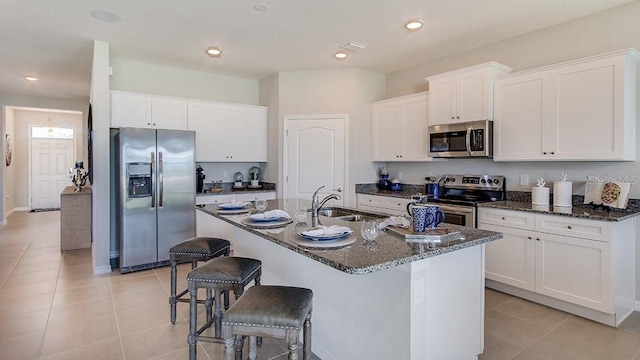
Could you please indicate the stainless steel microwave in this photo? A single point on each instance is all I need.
(461, 140)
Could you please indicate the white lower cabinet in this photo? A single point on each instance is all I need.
(383, 204)
(585, 267)
(218, 199)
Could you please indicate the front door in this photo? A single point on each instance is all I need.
(314, 156)
(51, 160)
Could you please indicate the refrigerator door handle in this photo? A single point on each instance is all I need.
(153, 179)
(160, 179)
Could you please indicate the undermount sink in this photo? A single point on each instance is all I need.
(343, 215)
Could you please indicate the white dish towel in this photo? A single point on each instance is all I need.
(397, 221)
(327, 231)
(271, 214)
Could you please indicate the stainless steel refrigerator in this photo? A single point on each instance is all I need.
(155, 185)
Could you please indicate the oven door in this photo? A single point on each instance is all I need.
(459, 215)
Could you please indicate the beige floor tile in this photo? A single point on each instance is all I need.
(33, 277)
(632, 323)
(104, 350)
(283, 345)
(66, 297)
(22, 347)
(26, 304)
(135, 284)
(115, 276)
(3, 278)
(530, 355)
(559, 345)
(20, 323)
(498, 349)
(76, 270)
(23, 268)
(42, 287)
(512, 330)
(142, 298)
(43, 244)
(80, 281)
(538, 314)
(492, 298)
(12, 247)
(155, 342)
(142, 318)
(35, 259)
(7, 267)
(78, 334)
(87, 310)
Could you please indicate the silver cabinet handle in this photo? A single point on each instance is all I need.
(569, 227)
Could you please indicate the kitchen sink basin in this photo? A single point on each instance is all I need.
(334, 213)
(354, 217)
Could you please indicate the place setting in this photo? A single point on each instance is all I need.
(234, 208)
(267, 219)
(325, 237)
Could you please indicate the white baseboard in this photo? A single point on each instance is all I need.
(102, 270)
(637, 306)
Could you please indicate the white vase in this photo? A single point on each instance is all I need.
(255, 183)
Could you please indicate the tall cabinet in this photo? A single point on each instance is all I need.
(581, 110)
(464, 94)
(147, 111)
(400, 128)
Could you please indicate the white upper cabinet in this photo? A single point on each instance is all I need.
(229, 133)
(582, 110)
(464, 94)
(400, 128)
(147, 111)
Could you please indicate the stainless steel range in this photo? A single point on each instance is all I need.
(460, 195)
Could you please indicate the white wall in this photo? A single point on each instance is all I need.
(9, 182)
(164, 80)
(318, 92)
(270, 97)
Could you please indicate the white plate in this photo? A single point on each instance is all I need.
(325, 237)
(271, 224)
(261, 218)
(233, 212)
(324, 244)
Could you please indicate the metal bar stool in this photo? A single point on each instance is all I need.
(194, 250)
(273, 311)
(218, 274)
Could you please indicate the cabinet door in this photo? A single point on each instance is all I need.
(267, 195)
(129, 110)
(414, 141)
(248, 134)
(169, 114)
(588, 112)
(386, 132)
(442, 100)
(210, 122)
(575, 270)
(511, 260)
(521, 118)
(473, 100)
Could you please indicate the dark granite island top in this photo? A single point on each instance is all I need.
(579, 211)
(390, 250)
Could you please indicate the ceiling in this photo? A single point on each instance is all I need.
(53, 39)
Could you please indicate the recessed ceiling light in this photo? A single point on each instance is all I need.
(31, 78)
(414, 25)
(105, 16)
(261, 7)
(340, 55)
(214, 52)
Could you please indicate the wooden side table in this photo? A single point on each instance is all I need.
(75, 219)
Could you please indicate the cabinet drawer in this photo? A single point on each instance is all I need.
(267, 195)
(373, 201)
(514, 219)
(385, 204)
(579, 228)
(214, 199)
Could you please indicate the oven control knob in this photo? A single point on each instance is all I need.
(489, 181)
(451, 179)
(484, 181)
(496, 182)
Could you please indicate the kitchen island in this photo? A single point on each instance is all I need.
(387, 300)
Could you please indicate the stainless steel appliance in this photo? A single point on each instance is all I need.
(461, 140)
(155, 184)
(460, 195)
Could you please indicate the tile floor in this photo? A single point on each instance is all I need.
(53, 307)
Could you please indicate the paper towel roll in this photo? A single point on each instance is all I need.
(562, 193)
(540, 195)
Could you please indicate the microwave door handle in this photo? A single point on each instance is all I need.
(468, 141)
(153, 179)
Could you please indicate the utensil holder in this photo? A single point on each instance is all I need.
(562, 193)
(540, 196)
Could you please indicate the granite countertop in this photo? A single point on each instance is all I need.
(227, 188)
(389, 250)
(584, 211)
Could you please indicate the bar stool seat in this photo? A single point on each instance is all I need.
(274, 311)
(218, 274)
(193, 250)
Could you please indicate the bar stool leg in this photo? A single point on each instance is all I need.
(252, 348)
(306, 335)
(217, 316)
(208, 303)
(172, 298)
(193, 321)
(228, 343)
(292, 344)
(237, 345)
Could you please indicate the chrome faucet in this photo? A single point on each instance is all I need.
(315, 206)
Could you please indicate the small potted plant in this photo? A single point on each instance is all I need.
(255, 181)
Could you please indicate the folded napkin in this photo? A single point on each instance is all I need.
(327, 231)
(271, 214)
(234, 205)
(397, 221)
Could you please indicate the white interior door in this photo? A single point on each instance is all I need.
(314, 156)
(50, 163)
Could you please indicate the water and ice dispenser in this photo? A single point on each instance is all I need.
(139, 180)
